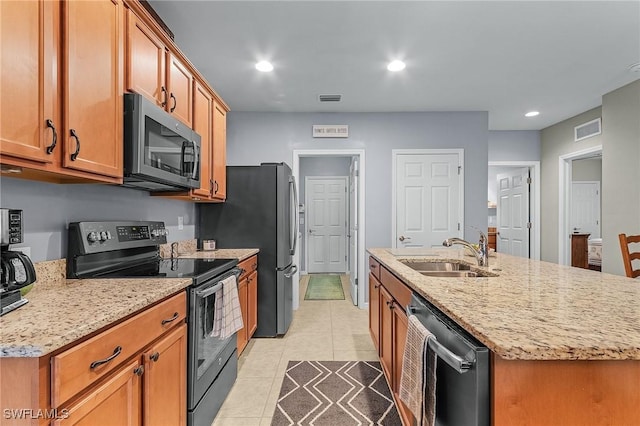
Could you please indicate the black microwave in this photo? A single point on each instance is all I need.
(161, 154)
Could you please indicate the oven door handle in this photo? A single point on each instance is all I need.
(454, 361)
(209, 291)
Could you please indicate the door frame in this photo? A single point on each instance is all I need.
(564, 199)
(534, 204)
(394, 158)
(306, 214)
(362, 277)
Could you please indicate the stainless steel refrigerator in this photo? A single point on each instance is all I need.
(260, 212)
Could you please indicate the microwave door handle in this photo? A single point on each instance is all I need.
(454, 361)
(196, 154)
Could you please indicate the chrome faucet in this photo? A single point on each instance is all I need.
(481, 253)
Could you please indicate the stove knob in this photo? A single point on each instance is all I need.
(109, 235)
(93, 237)
(155, 233)
(165, 232)
(103, 236)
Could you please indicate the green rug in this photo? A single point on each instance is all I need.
(324, 287)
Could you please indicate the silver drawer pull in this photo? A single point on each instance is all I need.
(116, 352)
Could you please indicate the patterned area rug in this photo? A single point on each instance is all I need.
(335, 393)
(324, 287)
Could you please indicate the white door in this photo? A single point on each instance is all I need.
(326, 224)
(585, 208)
(353, 229)
(428, 199)
(513, 212)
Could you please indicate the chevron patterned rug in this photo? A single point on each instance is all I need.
(332, 393)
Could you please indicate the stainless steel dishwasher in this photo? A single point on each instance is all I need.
(462, 374)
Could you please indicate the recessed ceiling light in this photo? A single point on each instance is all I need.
(396, 66)
(264, 66)
(531, 114)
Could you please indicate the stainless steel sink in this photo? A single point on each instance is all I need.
(436, 266)
(453, 274)
(446, 269)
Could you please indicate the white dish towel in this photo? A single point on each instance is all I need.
(227, 317)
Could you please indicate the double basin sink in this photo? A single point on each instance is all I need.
(445, 269)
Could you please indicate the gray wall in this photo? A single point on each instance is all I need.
(587, 169)
(514, 145)
(318, 166)
(620, 171)
(253, 137)
(558, 140)
(48, 208)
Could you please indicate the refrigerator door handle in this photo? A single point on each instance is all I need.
(294, 232)
(292, 270)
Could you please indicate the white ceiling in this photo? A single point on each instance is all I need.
(505, 57)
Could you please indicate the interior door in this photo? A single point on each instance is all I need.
(353, 229)
(585, 208)
(513, 212)
(428, 203)
(326, 224)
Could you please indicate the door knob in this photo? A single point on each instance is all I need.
(402, 238)
(311, 231)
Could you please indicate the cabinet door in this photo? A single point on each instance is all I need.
(180, 85)
(252, 304)
(219, 152)
(27, 58)
(386, 334)
(116, 401)
(242, 333)
(93, 80)
(374, 311)
(203, 125)
(400, 325)
(165, 380)
(145, 58)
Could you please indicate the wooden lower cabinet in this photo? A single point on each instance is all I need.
(374, 310)
(248, 295)
(165, 380)
(116, 401)
(386, 334)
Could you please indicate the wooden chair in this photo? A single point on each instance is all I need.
(628, 256)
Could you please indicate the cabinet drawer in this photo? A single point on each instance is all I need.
(71, 370)
(399, 291)
(248, 266)
(374, 267)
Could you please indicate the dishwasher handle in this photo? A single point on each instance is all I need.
(456, 362)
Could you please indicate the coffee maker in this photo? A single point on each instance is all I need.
(17, 272)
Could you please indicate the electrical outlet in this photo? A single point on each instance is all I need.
(180, 222)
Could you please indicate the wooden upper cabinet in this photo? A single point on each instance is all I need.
(219, 152)
(93, 86)
(146, 55)
(156, 73)
(180, 85)
(26, 80)
(203, 125)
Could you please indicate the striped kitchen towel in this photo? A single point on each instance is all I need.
(227, 316)
(418, 376)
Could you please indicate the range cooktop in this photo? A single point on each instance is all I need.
(199, 270)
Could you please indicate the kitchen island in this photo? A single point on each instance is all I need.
(565, 341)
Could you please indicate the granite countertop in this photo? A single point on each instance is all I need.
(533, 310)
(61, 311)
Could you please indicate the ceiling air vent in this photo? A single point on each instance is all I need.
(329, 98)
(588, 129)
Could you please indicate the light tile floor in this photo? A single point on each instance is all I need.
(320, 331)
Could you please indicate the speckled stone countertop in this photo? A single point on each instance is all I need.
(61, 311)
(533, 310)
(240, 254)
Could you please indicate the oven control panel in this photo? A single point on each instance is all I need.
(97, 237)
